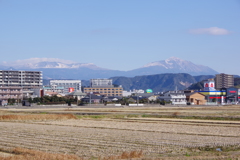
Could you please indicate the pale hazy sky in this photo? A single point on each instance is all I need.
(123, 34)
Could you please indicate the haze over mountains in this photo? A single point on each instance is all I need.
(54, 68)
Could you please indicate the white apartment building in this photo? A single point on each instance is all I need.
(68, 85)
(175, 97)
(25, 79)
(28, 81)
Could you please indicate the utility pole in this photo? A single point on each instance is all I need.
(137, 97)
(17, 98)
(90, 98)
(77, 100)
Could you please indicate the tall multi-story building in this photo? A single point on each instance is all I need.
(224, 81)
(19, 84)
(103, 87)
(68, 85)
(24, 79)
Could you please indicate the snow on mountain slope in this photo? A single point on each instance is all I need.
(34, 63)
(178, 66)
(59, 68)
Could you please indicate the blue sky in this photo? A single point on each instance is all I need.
(123, 34)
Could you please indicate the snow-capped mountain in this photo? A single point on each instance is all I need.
(35, 63)
(65, 69)
(169, 63)
(46, 64)
(174, 65)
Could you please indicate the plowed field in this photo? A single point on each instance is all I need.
(157, 137)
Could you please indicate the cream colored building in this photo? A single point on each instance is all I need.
(107, 91)
(10, 93)
(195, 98)
(103, 87)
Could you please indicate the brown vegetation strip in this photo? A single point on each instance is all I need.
(36, 117)
(27, 154)
(175, 120)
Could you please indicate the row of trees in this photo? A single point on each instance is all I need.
(12, 101)
(69, 99)
(52, 100)
(129, 100)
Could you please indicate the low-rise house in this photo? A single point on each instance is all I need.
(49, 93)
(77, 94)
(136, 99)
(50, 89)
(153, 98)
(174, 97)
(91, 98)
(132, 92)
(132, 100)
(111, 98)
(195, 98)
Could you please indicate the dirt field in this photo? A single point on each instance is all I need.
(158, 138)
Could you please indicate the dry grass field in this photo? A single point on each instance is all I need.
(120, 133)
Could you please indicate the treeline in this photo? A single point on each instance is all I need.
(129, 100)
(52, 100)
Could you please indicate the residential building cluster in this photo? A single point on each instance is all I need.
(220, 90)
(20, 85)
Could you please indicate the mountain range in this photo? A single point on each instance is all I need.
(159, 82)
(54, 68)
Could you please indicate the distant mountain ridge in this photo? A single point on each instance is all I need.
(174, 65)
(54, 68)
(160, 82)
